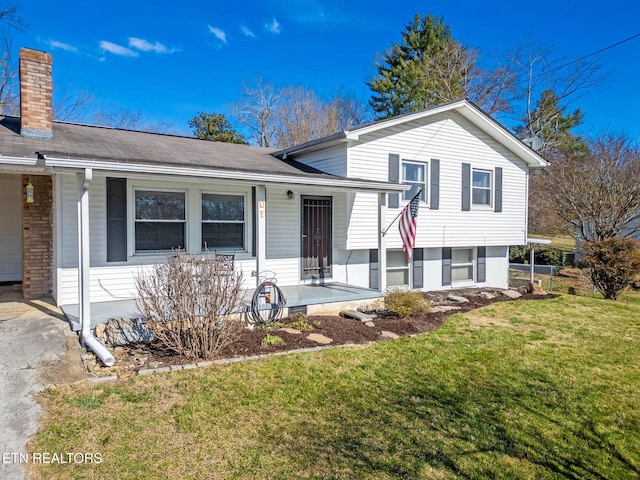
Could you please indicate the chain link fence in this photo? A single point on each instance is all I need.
(520, 275)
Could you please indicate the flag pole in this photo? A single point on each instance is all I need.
(398, 216)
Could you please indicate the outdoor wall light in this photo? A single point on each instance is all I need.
(289, 194)
(29, 193)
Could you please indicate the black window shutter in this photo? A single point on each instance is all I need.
(498, 202)
(466, 187)
(394, 177)
(254, 222)
(116, 219)
(434, 201)
(482, 265)
(446, 266)
(418, 267)
(373, 269)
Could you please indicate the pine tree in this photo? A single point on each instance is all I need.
(215, 127)
(428, 67)
(553, 125)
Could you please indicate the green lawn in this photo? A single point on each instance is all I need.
(566, 244)
(539, 389)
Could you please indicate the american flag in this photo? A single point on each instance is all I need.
(408, 223)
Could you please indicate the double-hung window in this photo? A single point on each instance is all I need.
(481, 187)
(415, 175)
(462, 265)
(223, 221)
(397, 268)
(160, 220)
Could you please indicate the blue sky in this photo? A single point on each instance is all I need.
(170, 61)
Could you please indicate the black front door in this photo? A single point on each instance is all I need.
(316, 237)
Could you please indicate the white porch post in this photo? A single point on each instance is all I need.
(261, 234)
(382, 243)
(84, 264)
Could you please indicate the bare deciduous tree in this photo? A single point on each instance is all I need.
(597, 193)
(492, 90)
(11, 23)
(539, 71)
(71, 105)
(293, 115)
(255, 109)
(129, 119)
(302, 115)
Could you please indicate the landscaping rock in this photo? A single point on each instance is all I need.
(511, 294)
(458, 298)
(537, 289)
(318, 338)
(370, 324)
(121, 331)
(444, 308)
(100, 331)
(487, 295)
(363, 317)
(389, 335)
(290, 330)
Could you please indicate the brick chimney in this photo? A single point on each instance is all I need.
(35, 94)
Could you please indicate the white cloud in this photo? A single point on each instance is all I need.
(144, 46)
(247, 32)
(117, 49)
(55, 45)
(219, 34)
(273, 26)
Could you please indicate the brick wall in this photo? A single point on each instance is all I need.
(37, 237)
(35, 93)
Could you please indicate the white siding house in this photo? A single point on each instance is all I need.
(313, 213)
(474, 204)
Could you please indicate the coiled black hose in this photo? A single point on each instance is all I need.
(267, 303)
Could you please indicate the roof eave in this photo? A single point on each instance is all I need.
(318, 144)
(342, 183)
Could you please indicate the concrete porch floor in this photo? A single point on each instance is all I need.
(326, 298)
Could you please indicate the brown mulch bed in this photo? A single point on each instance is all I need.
(343, 330)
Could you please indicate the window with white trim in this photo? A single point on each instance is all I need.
(160, 220)
(397, 268)
(223, 221)
(414, 174)
(461, 265)
(481, 187)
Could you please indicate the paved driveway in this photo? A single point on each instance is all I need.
(37, 349)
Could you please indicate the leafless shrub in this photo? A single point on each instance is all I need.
(190, 304)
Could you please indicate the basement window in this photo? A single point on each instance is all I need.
(397, 268)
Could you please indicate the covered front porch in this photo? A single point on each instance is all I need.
(328, 298)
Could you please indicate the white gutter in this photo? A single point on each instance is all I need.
(22, 161)
(84, 301)
(28, 165)
(78, 164)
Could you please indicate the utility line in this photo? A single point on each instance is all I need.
(628, 39)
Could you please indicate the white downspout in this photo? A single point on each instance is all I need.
(84, 262)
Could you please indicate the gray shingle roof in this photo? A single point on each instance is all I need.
(126, 146)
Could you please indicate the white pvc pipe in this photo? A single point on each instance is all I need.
(93, 344)
(84, 259)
